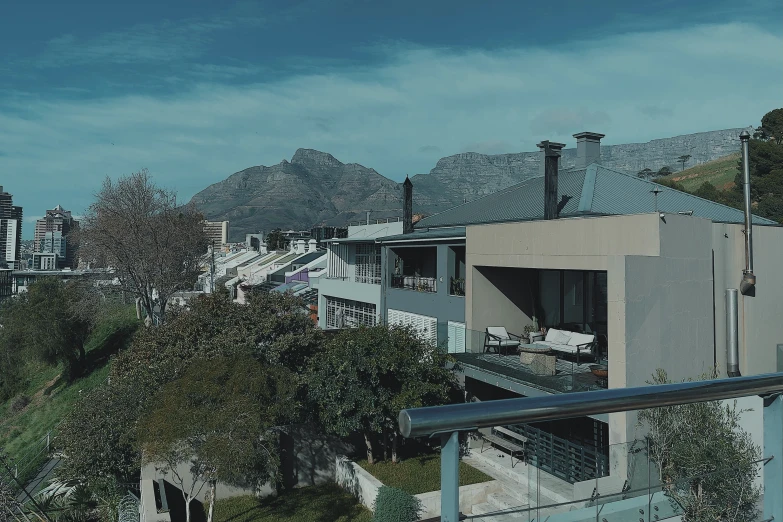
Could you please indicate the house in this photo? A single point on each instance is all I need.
(350, 290)
(643, 269)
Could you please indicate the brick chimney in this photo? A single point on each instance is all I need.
(588, 148)
(551, 152)
(407, 206)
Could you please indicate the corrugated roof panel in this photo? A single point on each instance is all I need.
(620, 193)
(518, 203)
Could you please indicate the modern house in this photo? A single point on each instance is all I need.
(642, 270)
(350, 291)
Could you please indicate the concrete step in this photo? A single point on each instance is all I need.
(505, 500)
(482, 509)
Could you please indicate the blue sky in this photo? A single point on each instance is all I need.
(196, 90)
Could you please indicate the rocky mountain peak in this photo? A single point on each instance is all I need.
(312, 157)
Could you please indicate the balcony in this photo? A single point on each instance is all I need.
(420, 284)
(548, 372)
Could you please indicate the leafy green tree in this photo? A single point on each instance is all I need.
(771, 127)
(218, 419)
(706, 462)
(682, 160)
(644, 173)
(664, 171)
(275, 240)
(100, 437)
(43, 323)
(367, 375)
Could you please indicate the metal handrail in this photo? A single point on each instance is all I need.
(427, 421)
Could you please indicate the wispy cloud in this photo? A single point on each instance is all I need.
(398, 116)
(162, 42)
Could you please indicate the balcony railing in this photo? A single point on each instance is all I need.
(648, 503)
(420, 284)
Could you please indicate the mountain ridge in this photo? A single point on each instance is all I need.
(316, 188)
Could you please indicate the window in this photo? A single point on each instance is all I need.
(346, 313)
(368, 263)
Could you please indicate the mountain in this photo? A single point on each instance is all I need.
(315, 188)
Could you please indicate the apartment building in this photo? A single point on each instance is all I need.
(10, 232)
(53, 235)
(217, 233)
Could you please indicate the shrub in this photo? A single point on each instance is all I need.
(19, 403)
(395, 505)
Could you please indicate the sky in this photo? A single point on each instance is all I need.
(196, 90)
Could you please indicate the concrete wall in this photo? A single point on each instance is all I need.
(354, 479)
(346, 289)
(503, 297)
(760, 327)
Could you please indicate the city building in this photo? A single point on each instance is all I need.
(45, 260)
(10, 232)
(6, 283)
(54, 234)
(217, 233)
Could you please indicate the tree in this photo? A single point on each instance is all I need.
(771, 127)
(664, 171)
(42, 323)
(644, 173)
(275, 240)
(154, 246)
(706, 462)
(219, 419)
(367, 375)
(682, 160)
(100, 438)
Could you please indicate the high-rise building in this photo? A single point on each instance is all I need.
(53, 235)
(217, 232)
(10, 231)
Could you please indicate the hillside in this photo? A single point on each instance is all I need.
(720, 172)
(315, 188)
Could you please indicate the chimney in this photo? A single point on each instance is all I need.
(407, 206)
(312, 245)
(588, 148)
(368, 217)
(300, 246)
(748, 277)
(551, 156)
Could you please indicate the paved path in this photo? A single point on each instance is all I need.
(35, 485)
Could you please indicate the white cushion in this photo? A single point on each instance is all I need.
(498, 331)
(557, 336)
(580, 338)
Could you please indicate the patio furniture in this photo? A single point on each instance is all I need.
(498, 338)
(506, 439)
(539, 358)
(564, 341)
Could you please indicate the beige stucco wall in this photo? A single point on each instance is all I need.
(760, 324)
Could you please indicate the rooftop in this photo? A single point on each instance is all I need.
(595, 190)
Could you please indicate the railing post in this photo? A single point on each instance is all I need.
(773, 449)
(449, 477)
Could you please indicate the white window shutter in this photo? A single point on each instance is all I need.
(425, 326)
(456, 337)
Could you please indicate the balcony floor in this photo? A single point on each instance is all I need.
(569, 376)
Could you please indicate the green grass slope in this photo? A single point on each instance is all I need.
(52, 398)
(719, 172)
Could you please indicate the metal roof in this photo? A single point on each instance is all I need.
(426, 234)
(595, 190)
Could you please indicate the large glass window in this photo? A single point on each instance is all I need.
(368, 263)
(346, 313)
(573, 299)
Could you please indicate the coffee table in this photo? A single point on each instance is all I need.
(540, 358)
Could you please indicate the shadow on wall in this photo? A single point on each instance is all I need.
(308, 457)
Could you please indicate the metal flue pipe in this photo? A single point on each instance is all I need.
(748, 277)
